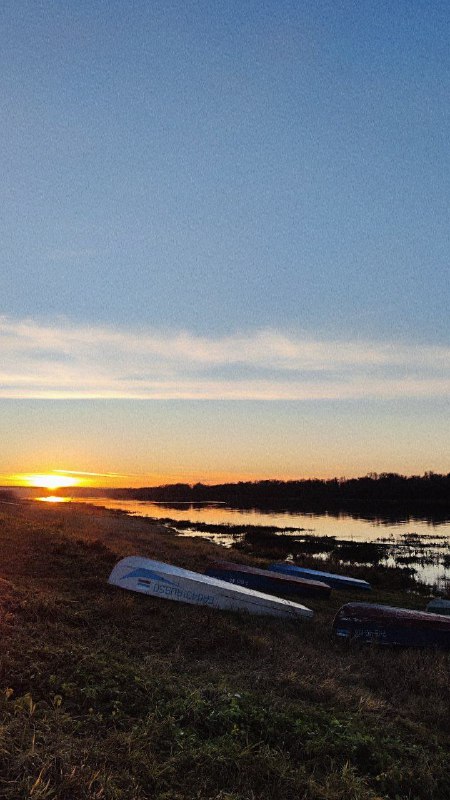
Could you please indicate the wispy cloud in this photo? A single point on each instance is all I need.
(91, 474)
(63, 360)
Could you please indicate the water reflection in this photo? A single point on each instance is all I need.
(53, 499)
(415, 544)
(344, 526)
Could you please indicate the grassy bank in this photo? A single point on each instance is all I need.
(112, 695)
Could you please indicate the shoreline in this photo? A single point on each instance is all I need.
(377, 560)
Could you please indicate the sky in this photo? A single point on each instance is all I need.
(224, 239)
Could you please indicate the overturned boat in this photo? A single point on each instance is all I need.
(174, 583)
(265, 581)
(392, 626)
(333, 580)
(439, 606)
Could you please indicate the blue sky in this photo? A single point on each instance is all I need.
(240, 207)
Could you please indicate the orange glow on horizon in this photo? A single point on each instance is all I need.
(47, 481)
(52, 481)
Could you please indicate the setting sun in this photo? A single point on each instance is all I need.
(49, 481)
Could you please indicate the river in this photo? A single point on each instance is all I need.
(423, 544)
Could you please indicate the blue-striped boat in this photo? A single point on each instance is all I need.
(333, 580)
(174, 583)
(265, 581)
(388, 625)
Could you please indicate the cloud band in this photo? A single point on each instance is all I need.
(66, 361)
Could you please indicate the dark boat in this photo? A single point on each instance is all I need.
(439, 606)
(264, 581)
(335, 581)
(392, 626)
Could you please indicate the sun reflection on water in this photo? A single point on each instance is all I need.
(53, 499)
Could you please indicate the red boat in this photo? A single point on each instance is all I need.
(265, 581)
(388, 625)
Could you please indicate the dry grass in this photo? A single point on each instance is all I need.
(112, 695)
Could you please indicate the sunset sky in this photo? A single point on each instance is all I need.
(224, 238)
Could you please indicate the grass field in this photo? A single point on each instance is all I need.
(107, 694)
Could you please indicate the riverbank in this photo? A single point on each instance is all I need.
(113, 695)
(418, 550)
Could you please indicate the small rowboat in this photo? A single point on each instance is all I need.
(392, 626)
(173, 583)
(439, 606)
(335, 581)
(264, 581)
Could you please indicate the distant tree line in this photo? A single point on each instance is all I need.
(373, 493)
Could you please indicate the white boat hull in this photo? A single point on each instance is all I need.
(173, 583)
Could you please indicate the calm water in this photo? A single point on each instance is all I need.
(429, 564)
